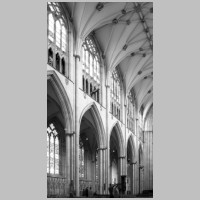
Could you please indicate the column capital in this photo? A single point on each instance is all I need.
(134, 163)
(69, 133)
(102, 148)
(77, 56)
(122, 157)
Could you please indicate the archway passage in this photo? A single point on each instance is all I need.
(59, 126)
(115, 157)
(56, 148)
(89, 158)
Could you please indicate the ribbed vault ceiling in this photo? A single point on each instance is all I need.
(124, 31)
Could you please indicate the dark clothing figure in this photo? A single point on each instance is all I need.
(86, 192)
(83, 192)
(111, 191)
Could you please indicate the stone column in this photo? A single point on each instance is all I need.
(72, 156)
(68, 163)
(107, 151)
(134, 178)
(100, 170)
(77, 60)
(121, 161)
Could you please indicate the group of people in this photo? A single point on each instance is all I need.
(88, 192)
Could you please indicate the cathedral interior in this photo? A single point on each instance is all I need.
(99, 99)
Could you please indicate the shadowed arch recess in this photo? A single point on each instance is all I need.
(98, 122)
(66, 108)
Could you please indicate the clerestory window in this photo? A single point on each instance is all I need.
(91, 69)
(57, 39)
(115, 94)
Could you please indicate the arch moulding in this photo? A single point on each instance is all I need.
(98, 122)
(66, 108)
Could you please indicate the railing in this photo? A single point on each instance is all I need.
(57, 187)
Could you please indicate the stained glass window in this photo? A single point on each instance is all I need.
(91, 66)
(115, 94)
(52, 150)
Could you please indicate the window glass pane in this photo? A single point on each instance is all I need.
(64, 39)
(56, 155)
(58, 29)
(91, 66)
(52, 154)
(51, 28)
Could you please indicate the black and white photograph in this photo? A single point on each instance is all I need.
(99, 99)
(85, 72)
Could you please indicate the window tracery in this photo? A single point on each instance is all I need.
(52, 150)
(91, 68)
(115, 92)
(57, 39)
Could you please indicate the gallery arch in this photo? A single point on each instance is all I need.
(131, 162)
(91, 146)
(116, 154)
(59, 124)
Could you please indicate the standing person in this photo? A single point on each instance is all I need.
(90, 192)
(86, 192)
(111, 191)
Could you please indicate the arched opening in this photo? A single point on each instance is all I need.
(58, 62)
(50, 57)
(86, 86)
(91, 89)
(116, 155)
(130, 166)
(63, 66)
(90, 144)
(59, 120)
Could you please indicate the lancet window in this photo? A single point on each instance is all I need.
(53, 156)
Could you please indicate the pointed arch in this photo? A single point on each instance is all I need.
(64, 101)
(98, 122)
(120, 138)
